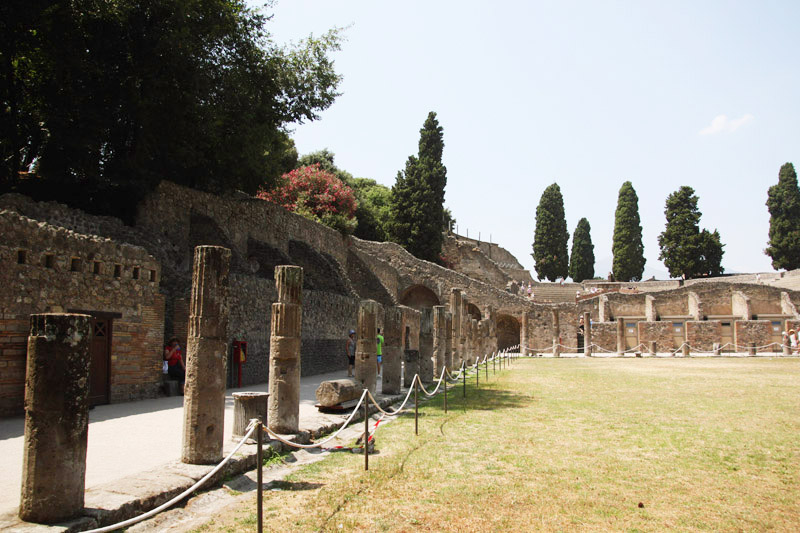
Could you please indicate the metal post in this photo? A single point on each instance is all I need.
(260, 496)
(486, 364)
(444, 379)
(494, 364)
(416, 406)
(478, 376)
(464, 376)
(366, 432)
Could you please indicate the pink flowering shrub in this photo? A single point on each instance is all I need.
(316, 194)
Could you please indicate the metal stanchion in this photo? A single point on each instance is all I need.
(416, 406)
(260, 479)
(494, 364)
(478, 376)
(486, 364)
(366, 432)
(444, 379)
(464, 376)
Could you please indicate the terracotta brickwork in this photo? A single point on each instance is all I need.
(604, 334)
(661, 332)
(752, 331)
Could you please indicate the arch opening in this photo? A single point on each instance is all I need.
(508, 329)
(419, 297)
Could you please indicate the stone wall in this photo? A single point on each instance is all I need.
(701, 335)
(471, 261)
(604, 334)
(52, 269)
(660, 332)
(752, 331)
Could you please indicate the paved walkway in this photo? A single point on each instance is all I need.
(128, 438)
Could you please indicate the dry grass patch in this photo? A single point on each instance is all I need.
(579, 444)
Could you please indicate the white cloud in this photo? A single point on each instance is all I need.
(722, 124)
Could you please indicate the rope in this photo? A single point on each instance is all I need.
(250, 428)
(319, 444)
(429, 394)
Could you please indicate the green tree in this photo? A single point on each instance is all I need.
(581, 262)
(417, 206)
(551, 236)
(123, 94)
(783, 202)
(685, 250)
(627, 248)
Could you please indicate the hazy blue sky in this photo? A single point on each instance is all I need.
(584, 94)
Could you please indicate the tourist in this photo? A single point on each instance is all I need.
(350, 351)
(175, 366)
(793, 341)
(379, 350)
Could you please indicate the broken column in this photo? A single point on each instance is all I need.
(284, 351)
(455, 334)
(206, 357)
(466, 355)
(523, 334)
(474, 341)
(56, 417)
(556, 333)
(367, 344)
(392, 350)
(439, 340)
(411, 324)
(620, 336)
(426, 345)
(587, 334)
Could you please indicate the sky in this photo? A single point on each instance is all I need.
(584, 94)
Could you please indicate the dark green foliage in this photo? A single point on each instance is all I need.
(581, 262)
(116, 96)
(373, 212)
(417, 206)
(627, 248)
(783, 202)
(686, 251)
(551, 236)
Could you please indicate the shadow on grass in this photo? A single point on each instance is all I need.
(483, 399)
(280, 484)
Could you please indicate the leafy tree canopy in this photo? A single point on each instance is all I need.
(551, 236)
(783, 203)
(581, 262)
(686, 251)
(627, 248)
(104, 97)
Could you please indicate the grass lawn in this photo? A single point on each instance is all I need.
(570, 444)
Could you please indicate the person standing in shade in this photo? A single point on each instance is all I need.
(350, 351)
(379, 350)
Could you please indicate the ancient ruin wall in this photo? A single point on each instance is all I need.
(660, 332)
(51, 269)
(703, 335)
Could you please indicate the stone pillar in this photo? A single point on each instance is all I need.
(411, 323)
(620, 336)
(465, 318)
(556, 329)
(751, 350)
(476, 341)
(392, 350)
(56, 417)
(439, 340)
(456, 308)
(426, 345)
(206, 357)
(523, 333)
(448, 338)
(284, 351)
(652, 347)
(367, 344)
(587, 334)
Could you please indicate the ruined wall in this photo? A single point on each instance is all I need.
(627, 305)
(471, 261)
(604, 334)
(52, 269)
(671, 304)
(701, 335)
(661, 332)
(752, 331)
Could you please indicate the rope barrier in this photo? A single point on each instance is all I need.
(250, 428)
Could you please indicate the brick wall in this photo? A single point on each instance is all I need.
(661, 332)
(604, 334)
(752, 331)
(701, 335)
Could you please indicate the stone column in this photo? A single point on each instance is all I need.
(653, 347)
(56, 417)
(367, 344)
(411, 323)
(463, 346)
(587, 334)
(448, 338)
(206, 357)
(455, 334)
(284, 351)
(392, 350)
(556, 328)
(620, 336)
(426, 345)
(439, 340)
(474, 340)
(523, 333)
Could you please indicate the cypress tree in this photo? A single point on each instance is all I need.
(685, 250)
(783, 202)
(551, 236)
(581, 262)
(627, 248)
(417, 205)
